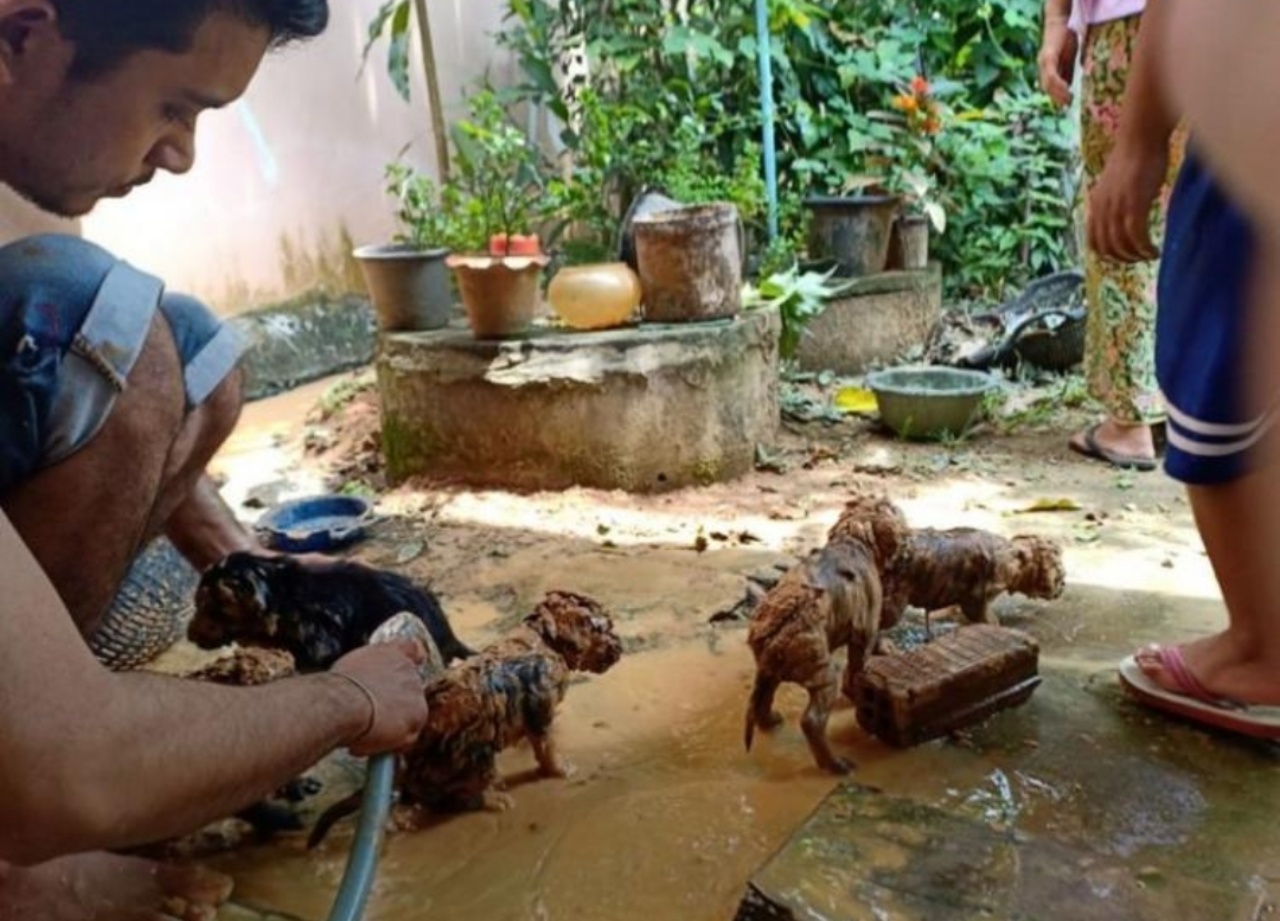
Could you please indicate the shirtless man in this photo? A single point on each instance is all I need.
(113, 397)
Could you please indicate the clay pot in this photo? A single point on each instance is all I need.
(852, 231)
(409, 287)
(597, 296)
(909, 243)
(499, 293)
(690, 263)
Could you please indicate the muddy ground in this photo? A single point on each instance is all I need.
(666, 816)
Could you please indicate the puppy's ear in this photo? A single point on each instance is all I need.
(259, 583)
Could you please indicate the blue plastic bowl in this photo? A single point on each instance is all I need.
(315, 523)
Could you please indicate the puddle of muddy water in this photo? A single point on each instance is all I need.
(666, 816)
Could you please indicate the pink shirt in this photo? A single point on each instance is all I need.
(1085, 13)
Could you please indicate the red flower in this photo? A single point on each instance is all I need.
(920, 86)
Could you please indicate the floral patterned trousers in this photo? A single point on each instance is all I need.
(1120, 336)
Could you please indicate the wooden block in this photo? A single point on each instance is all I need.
(952, 682)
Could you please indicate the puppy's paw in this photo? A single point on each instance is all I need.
(496, 801)
(562, 769)
(837, 766)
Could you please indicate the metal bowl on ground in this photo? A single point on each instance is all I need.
(930, 403)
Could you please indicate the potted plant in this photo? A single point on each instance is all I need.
(496, 193)
(913, 174)
(851, 229)
(407, 280)
(909, 239)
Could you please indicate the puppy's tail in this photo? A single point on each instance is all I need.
(759, 700)
(332, 816)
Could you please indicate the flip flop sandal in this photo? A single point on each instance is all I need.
(1193, 702)
(1092, 449)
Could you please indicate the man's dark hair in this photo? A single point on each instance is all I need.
(106, 32)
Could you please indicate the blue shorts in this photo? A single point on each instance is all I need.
(1200, 333)
(73, 320)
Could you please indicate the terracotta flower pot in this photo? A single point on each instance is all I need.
(499, 293)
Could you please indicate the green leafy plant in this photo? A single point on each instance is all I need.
(800, 298)
(1001, 170)
(498, 172)
(496, 187)
(429, 217)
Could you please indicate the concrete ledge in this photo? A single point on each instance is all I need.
(881, 317)
(865, 856)
(303, 340)
(644, 409)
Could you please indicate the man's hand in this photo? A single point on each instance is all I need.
(387, 675)
(1058, 61)
(1121, 201)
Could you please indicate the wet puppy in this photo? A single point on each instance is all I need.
(246, 668)
(968, 569)
(315, 611)
(507, 692)
(832, 600)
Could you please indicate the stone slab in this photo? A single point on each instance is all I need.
(874, 323)
(642, 409)
(304, 340)
(864, 856)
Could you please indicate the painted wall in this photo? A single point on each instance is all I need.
(289, 177)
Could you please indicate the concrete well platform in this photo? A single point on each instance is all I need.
(642, 409)
(874, 323)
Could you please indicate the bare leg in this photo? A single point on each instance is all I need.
(1243, 662)
(104, 887)
(125, 484)
(85, 520)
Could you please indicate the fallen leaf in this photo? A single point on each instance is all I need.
(1051, 505)
(856, 400)
(408, 551)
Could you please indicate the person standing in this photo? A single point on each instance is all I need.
(1119, 350)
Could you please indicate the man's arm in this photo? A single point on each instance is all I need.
(94, 759)
(204, 530)
(1121, 200)
(1058, 49)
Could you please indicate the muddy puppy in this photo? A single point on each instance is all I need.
(832, 600)
(968, 569)
(507, 692)
(250, 667)
(317, 612)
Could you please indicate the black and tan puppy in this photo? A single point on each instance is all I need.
(832, 600)
(506, 693)
(317, 611)
(968, 568)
